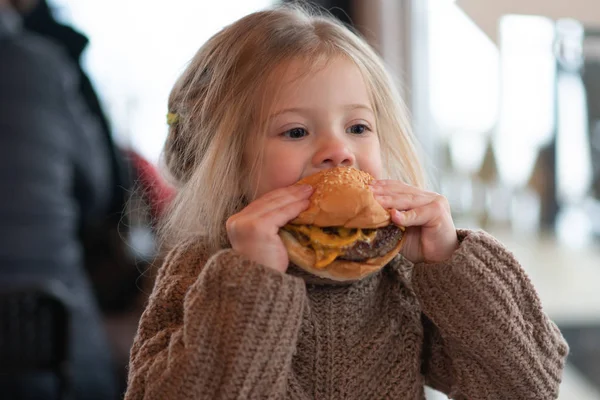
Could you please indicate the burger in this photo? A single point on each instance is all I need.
(345, 234)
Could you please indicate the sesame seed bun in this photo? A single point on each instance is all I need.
(341, 199)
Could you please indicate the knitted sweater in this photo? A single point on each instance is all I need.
(223, 327)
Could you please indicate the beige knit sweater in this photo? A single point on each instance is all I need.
(223, 327)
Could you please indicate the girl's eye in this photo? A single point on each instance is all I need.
(358, 129)
(295, 133)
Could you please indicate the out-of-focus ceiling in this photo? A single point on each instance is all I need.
(486, 13)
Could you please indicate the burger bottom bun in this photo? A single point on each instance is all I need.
(338, 270)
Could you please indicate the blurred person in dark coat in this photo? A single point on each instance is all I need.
(57, 178)
(112, 276)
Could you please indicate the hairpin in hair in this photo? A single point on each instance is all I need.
(172, 118)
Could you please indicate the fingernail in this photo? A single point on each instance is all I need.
(306, 188)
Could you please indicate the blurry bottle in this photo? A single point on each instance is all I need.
(523, 143)
(573, 150)
(591, 79)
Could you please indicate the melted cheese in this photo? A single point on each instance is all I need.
(325, 256)
(329, 246)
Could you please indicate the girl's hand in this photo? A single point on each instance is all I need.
(430, 232)
(253, 231)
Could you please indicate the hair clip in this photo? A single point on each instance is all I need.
(172, 118)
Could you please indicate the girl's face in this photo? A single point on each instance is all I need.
(320, 120)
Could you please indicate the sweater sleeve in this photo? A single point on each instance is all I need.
(486, 335)
(221, 328)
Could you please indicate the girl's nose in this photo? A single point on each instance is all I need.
(333, 152)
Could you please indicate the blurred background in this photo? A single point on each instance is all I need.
(505, 99)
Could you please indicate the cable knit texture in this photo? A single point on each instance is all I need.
(223, 327)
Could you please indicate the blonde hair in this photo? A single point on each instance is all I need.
(216, 100)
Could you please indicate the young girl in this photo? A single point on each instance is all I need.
(274, 97)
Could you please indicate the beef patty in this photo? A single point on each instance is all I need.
(385, 240)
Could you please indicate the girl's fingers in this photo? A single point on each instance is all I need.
(431, 234)
(428, 215)
(403, 201)
(390, 185)
(278, 198)
(280, 216)
(393, 185)
(253, 225)
(252, 217)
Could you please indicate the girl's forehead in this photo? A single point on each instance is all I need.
(285, 76)
(293, 83)
(293, 71)
(292, 75)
